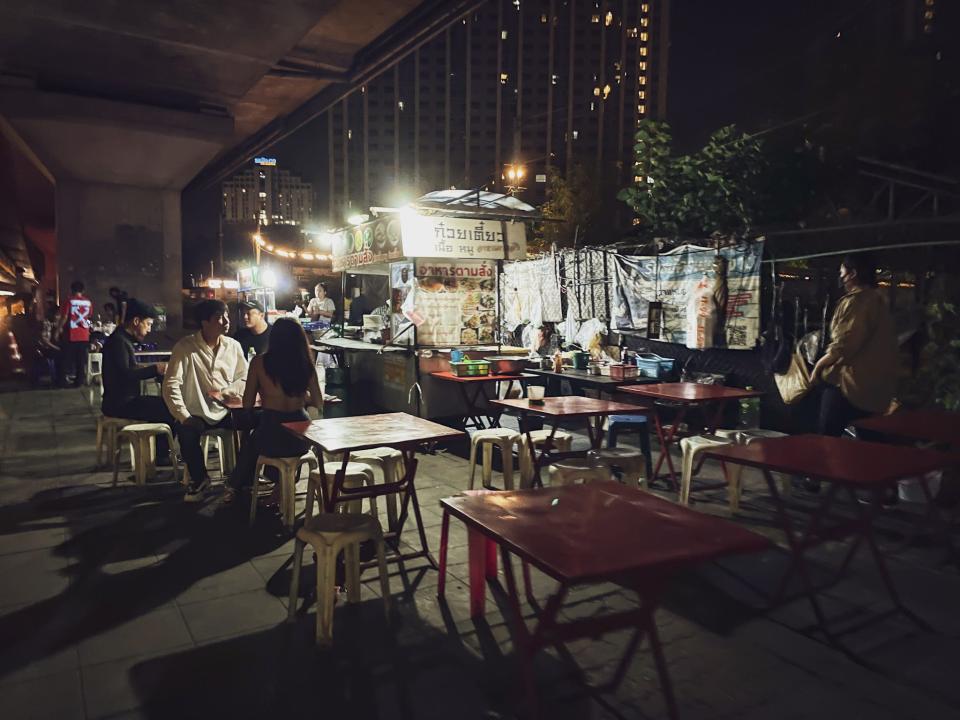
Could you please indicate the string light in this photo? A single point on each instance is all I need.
(290, 254)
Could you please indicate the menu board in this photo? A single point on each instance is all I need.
(376, 241)
(453, 302)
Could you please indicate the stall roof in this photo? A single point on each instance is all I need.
(473, 200)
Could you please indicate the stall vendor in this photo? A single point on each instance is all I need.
(321, 307)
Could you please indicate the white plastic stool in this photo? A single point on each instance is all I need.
(631, 463)
(503, 438)
(142, 438)
(357, 475)
(390, 463)
(289, 469)
(562, 441)
(95, 368)
(735, 471)
(107, 429)
(693, 447)
(328, 534)
(226, 448)
(573, 470)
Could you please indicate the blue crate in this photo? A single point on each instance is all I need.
(652, 365)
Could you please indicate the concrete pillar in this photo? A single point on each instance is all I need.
(118, 170)
(123, 236)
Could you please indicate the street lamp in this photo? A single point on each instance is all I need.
(512, 176)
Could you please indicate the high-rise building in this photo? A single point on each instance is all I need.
(538, 85)
(266, 195)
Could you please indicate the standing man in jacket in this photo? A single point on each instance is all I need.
(76, 316)
(122, 376)
(200, 364)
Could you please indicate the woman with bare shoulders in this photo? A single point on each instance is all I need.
(285, 379)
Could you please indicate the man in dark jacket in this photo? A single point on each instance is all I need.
(121, 375)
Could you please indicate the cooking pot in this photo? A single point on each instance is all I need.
(506, 364)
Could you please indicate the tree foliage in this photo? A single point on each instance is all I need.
(712, 191)
(577, 207)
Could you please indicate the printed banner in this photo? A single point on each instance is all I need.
(453, 302)
(377, 241)
(679, 278)
(442, 237)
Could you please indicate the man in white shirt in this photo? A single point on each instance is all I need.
(205, 362)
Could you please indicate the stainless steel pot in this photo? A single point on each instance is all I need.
(506, 364)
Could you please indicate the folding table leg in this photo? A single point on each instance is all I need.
(444, 539)
(482, 567)
(665, 443)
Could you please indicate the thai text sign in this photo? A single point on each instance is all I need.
(439, 237)
(377, 241)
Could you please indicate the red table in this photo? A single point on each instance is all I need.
(594, 411)
(938, 427)
(477, 384)
(929, 427)
(845, 465)
(396, 430)
(685, 395)
(583, 534)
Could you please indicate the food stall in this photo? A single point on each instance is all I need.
(437, 262)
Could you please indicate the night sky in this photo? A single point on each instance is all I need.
(756, 63)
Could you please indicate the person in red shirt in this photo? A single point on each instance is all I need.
(76, 316)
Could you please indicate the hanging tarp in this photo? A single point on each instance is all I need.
(688, 278)
(585, 280)
(530, 293)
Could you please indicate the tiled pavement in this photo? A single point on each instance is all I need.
(124, 602)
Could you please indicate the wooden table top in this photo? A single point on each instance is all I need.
(850, 462)
(570, 406)
(690, 392)
(362, 432)
(596, 531)
(937, 426)
(447, 375)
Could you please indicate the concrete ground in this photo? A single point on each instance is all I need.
(125, 602)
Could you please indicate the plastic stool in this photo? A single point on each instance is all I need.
(568, 472)
(562, 441)
(693, 447)
(95, 368)
(142, 438)
(357, 475)
(107, 429)
(289, 469)
(502, 438)
(226, 448)
(390, 463)
(618, 424)
(735, 472)
(630, 463)
(328, 534)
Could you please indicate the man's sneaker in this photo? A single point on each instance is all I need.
(196, 490)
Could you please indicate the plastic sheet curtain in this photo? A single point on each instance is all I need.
(530, 293)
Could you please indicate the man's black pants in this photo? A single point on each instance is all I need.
(190, 447)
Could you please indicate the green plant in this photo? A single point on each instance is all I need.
(712, 191)
(938, 379)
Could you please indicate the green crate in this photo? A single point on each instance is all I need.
(470, 368)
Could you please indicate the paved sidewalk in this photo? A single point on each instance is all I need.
(125, 602)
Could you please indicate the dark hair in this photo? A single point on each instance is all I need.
(288, 360)
(864, 264)
(76, 286)
(208, 309)
(138, 309)
(322, 285)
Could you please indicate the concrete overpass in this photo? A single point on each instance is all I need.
(119, 105)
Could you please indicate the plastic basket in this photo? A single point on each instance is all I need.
(470, 368)
(654, 366)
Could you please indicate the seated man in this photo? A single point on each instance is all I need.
(205, 362)
(121, 375)
(255, 333)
